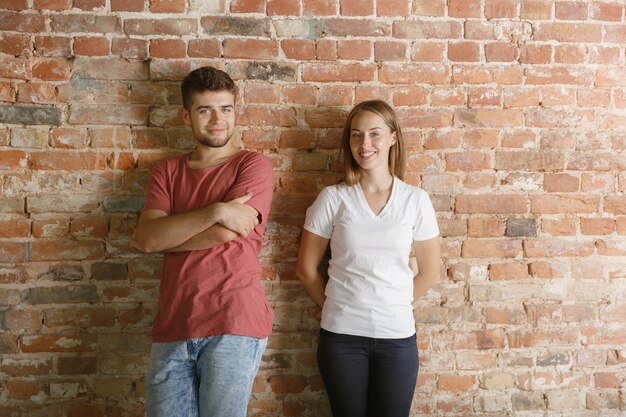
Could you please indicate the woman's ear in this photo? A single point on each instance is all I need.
(394, 137)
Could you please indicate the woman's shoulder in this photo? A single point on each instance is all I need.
(407, 188)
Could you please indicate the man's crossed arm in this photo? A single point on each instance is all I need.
(198, 229)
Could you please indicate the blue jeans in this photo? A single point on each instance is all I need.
(208, 377)
(368, 377)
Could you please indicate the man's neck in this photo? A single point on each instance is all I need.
(205, 156)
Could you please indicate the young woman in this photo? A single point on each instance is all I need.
(367, 353)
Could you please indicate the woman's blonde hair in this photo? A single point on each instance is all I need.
(397, 154)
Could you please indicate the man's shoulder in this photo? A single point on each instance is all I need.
(254, 159)
(170, 164)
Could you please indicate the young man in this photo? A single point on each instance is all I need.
(207, 211)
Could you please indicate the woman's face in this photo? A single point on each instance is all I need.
(370, 141)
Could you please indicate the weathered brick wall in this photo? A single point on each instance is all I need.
(515, 118)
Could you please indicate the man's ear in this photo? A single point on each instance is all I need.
(184, 114)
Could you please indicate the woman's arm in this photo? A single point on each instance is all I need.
(427, 253)
(310, 255)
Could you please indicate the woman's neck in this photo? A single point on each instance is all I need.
(376, 182)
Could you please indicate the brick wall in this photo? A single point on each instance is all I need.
(515, 117)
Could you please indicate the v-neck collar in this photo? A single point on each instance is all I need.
(366, 205)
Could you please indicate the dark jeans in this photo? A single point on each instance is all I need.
(367, 377)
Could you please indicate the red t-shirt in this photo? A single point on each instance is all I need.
(215, 291)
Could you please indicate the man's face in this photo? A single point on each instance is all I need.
(211, 117)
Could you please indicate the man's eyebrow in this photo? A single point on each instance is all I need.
(211, 107)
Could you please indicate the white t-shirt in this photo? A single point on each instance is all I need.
(370, 287)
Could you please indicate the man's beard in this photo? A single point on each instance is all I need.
(206, 141)
(212, 142)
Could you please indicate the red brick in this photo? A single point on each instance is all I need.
(390, 51)
(167, 6)
(560, 183)
(91, 46)
(570, 54)
(24, 390)
(536, 9)
(51, 227)
(611, 12)
(82, 410)
(597, 226)
(51, 69)
(559, 227)
(283, 8)
(505, 315)
(480, 96)
(335, 95)
(497, 9)
(412, 73)
(448, 97)
(319, 7)
(298, 139)
(204, 48)
(247, 6)
(357, 27)
(479, 30)
(167, 48)
(282, 384)
(15, 44)
(127, 5)
(393, 8)
(52, 4)
(53, 46)
(568, 32)
(488, 118)
(337, 72)
(89, 5)
(326, 50)
(14, 226)
(262, 93)
(409, 96)
(15, 4)
(593, 97)
(535, 248)
(36, 93)
(368, 92)
(569, 10)
(464, 8)
(356, 7)
(428, 52)
(456, 383)
(508, 271)
(604, 55)
(299, 94)
(492, 205)
(354, 49)
(130, 48)
(501, 52)
(298, 48)
(66, 250)
(435, 8)
(491, 248)
(468, 161)
(545, 204)
(59, 343)
(250, 48)
(541, 338)
(535, 54)
(464, 52)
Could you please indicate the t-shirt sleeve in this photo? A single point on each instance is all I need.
(426, 226)
(255, 175)
(158, 195)
(320, 215)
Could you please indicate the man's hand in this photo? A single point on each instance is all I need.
(237, 216)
